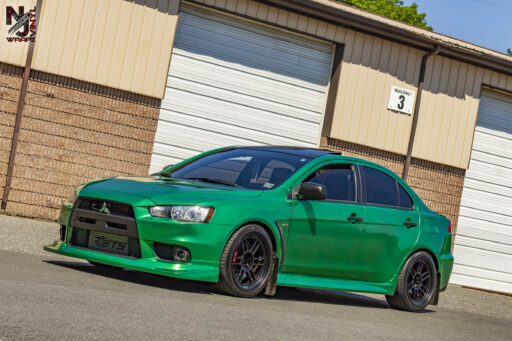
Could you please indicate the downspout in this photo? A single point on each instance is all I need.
(19, 112)
(417, 110)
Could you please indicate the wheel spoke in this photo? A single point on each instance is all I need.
(255, 247)
(251, 275)
(241, 276)
(425, 276)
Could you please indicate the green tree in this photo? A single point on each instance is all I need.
(509, 51)
(393, 9)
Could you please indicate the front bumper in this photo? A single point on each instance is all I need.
(201, 271)
(204, 241)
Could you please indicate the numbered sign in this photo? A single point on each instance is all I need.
(401, 100)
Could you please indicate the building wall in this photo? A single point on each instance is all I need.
(117, 43)
(10, 84)
(73, 132)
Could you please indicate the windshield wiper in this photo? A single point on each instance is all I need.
(215, 181)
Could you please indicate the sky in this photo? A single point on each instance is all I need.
(487, 23)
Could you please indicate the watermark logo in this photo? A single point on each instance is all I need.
(22, 24)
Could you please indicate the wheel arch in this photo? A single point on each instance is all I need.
(430, 252)
(273, 233)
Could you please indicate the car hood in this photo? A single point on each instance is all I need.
(163, 191)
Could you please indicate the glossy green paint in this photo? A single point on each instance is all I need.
(316, 245)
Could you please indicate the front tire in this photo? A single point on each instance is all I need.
(245, 262)
(416, 283)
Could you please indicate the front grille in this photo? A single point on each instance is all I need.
(105, 226)
(113, 207)
(105, 242)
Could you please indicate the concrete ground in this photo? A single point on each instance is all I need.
(44, 296)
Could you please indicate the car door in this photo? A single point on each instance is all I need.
(390, 228)
(324, 236)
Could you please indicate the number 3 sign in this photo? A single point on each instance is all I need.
(401, 100)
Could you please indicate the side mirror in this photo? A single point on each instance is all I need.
(166, 166)
(312, 191)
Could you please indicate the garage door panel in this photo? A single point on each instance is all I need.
(491, 202)
(248, 132)
(492, 144)
(500, 246)
(481, 283)
(489, 169)
(483, 273)
(242, 82)
(227, 104)
(248, 48)
(483, 244)
(245, 31)
(496, 218)
(484, 259)
(484, 230)
(233, 65)
(493, 160)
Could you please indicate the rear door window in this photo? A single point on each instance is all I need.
(381, 189)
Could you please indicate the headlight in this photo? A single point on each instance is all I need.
(75, 193)
(191, 214)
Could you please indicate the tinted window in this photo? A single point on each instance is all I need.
(338, 180)
(405, 199)
(381, 188)
(247, 168)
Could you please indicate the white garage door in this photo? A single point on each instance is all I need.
(236, 82)
(483, 245)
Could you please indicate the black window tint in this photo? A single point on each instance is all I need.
(405, 199)
(338, 180)
(380, 188)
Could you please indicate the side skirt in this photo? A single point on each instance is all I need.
(290, 280)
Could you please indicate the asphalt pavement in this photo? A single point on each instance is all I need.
(44, 296)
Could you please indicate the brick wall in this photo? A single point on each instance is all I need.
(73, 132)
(439, 186)
(10, 84)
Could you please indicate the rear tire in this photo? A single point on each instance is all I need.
(245, 262)
(416, 283)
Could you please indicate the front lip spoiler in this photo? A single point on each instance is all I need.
(204, 271)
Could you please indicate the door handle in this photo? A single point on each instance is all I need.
(409, 224)
(354, 219)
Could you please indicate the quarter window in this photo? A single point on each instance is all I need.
(405, 199)
(338, 180)
(381, 189)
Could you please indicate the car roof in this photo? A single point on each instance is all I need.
(308, 152)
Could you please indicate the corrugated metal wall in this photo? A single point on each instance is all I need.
(13, 53)
(370, 67)
(117, 43)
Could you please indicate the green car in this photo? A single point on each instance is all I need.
(253, 218)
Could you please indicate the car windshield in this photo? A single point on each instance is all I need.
(244, 167)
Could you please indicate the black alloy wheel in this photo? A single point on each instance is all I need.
(419, 282)
(246, 261)
(416, 283)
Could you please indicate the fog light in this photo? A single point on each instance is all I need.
(63, 232)
(181, 254)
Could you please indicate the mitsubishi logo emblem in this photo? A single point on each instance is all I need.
(104, 208)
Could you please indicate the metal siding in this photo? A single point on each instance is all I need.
(234, 82)
(14, 53)
(483, 245)
(120, 44)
